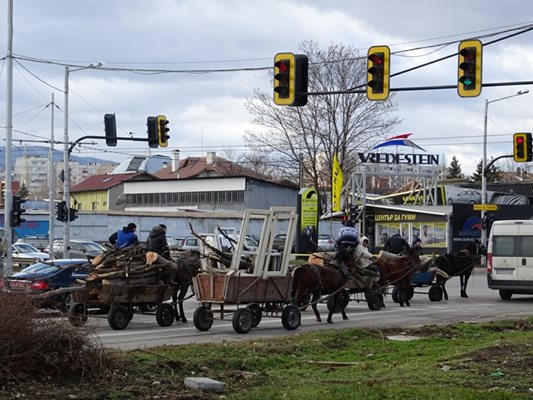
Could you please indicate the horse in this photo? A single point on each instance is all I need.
(312, 281)
(188, 267)
(398, 270)
(459, 264)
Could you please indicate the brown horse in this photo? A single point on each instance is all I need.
(398, 270)
(312, 281)
(188, 267)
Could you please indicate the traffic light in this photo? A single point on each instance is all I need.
(522, 147)
(290, 79)
(73, 214)
(153, 139)
(17, 211)
(110, 126)
(378, 77)
(469, 71)
(162, 130)
(62, 211)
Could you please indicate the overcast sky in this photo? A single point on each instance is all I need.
(206, 111)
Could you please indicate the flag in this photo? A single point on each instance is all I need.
(337, 180)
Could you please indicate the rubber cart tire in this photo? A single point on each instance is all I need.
(257, 314)
(242, 320)
(77, 314)
(119, 317)
(374, 300)
(291, 317)
(203, 318)
(164, 314)
(435, 293)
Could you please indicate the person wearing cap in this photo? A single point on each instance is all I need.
(157, 241)
(124, 237)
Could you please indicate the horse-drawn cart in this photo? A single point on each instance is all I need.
(119, 303)
(248, 297)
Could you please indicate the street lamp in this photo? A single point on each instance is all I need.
(66, 168)
(484, 161)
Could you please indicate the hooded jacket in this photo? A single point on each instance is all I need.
(157, 241)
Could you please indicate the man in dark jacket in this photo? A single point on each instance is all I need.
(124, 237)
(157, 241)
(396, 244)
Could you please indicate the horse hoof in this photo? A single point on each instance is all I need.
(402, 305)
(184, 320)
(345, 318)
(319, 320)
(464, 295)
(330, 321)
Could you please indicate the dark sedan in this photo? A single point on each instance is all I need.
(45, 276)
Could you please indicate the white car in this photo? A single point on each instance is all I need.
(25, 254)
(467, 196)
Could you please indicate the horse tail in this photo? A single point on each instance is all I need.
(297, 275)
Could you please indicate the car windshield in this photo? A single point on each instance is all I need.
(25, 248)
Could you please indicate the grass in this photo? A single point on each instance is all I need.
(460, 361)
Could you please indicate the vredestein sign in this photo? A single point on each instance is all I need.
(395, 158)
(389, 158)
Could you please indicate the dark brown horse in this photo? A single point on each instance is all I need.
(188, 267)
(310, 282)
(398, 270)
(460, 264)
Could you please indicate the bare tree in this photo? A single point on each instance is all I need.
(329, 124)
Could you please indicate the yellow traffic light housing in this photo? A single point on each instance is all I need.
(469, 68)
(162, 130)
(378, 77)
(522, 147)
(290, 79)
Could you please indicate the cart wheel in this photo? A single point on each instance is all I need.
(257, 313)
(164, 314)
(396, 294)
(435, 293)
(291, 317)
(147, 308)
(242, 320)
(203, 318)
(77, 314)
(119, 317)
(374, 300)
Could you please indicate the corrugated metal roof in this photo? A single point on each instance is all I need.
(105, 181)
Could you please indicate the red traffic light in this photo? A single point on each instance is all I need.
(519, 140)
(376, 58)
(283, 66)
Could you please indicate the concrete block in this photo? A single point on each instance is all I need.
(204, 384)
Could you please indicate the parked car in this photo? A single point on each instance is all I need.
(326, 242)
(467, 196)
(279, 242)
(79, 248)
(45, 276)
(24, 254)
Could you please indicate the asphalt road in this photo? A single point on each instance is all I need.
(483, 304)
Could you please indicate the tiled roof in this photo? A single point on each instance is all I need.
(106, 181)
(197, 167)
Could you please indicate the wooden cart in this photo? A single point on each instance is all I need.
(250, 297)
(119, 303)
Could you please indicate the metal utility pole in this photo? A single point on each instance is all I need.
(66, 166)
(52, 186)
(484, 160)
(7, 269)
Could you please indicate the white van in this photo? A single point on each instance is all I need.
(510, 257)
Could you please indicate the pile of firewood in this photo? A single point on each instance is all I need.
(132, 266)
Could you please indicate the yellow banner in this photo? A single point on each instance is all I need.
(337, 180)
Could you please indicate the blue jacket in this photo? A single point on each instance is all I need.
(125, 238)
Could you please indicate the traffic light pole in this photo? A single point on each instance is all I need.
(102, 137)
